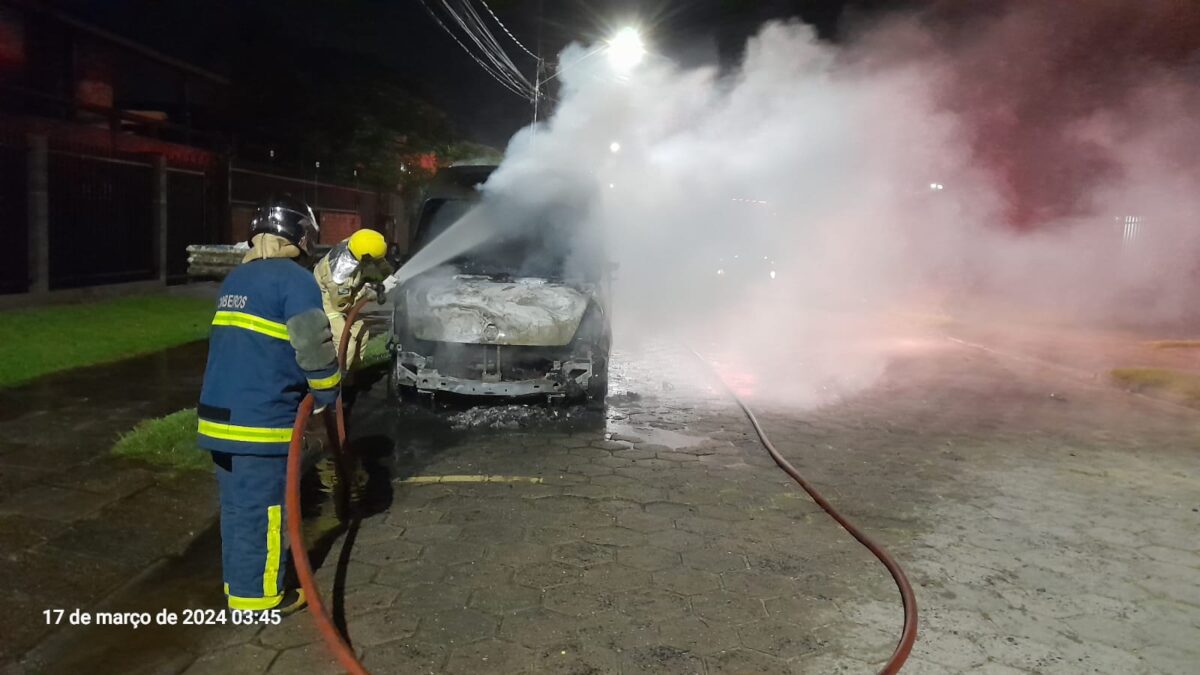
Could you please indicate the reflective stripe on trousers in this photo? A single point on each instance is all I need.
(253, 553)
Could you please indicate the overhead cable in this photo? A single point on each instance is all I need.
(507, 31)
(472, 25)
(504, 81)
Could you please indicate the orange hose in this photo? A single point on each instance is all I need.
(343, 652)
(908, 634)
(337, 434)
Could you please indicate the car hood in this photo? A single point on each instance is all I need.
(524, 311)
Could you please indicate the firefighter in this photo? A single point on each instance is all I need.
(344, 275)
(270, 344)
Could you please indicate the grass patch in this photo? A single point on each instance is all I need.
(1174, 383)
(374, 353)
(167, 441)
(171, 441)
(1174, 344)
(45, 340)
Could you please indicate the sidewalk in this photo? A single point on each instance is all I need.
(76, 524)
(1088, 350)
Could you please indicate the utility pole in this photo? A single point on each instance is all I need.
(541, 64)
(317, 185)
(537, 87)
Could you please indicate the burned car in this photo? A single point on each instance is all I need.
(524, 313)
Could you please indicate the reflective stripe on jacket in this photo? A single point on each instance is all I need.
(270, 344)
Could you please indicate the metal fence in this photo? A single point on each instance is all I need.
(100, 216)
(341, 209)
(14, 220)
(101, 221)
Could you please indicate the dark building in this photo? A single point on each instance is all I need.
(115, 156)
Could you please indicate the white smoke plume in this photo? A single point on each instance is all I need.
(781, 215)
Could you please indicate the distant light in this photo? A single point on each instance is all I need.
(764, 257)
(318, 164)
(721, 272)
(772, 274)
(612, 185)
(936, 186)
(626, 49)
(614, 147)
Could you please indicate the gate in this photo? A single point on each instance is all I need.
(101, 228)
(189, 219)
(14, 222)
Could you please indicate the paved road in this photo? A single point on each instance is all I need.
(1048, 525)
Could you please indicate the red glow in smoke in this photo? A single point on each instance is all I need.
(1027, 76)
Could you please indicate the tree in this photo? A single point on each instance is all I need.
(313, 103)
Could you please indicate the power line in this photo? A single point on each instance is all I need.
(507, 31)
(472, 26)
(509, 85)
(495, 44)
(478, 32)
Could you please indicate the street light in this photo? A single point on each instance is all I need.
(626, 50)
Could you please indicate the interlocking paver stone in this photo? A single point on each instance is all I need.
(648, 558)
(383, 626)
(728, 608)
(490, 656)
(405, 656)
(547, 575)
(1042, 534)
(455, 626)
(652, 604)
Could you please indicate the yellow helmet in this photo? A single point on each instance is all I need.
(367, 243)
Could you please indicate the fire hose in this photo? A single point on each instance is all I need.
(908, 633)
(335, 422)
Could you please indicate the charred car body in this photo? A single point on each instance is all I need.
(525, 313)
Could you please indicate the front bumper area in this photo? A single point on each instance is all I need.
(564, 378)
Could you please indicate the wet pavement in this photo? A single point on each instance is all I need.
(75, 523)
(1047, 522)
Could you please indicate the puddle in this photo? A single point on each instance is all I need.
(169, 379)
(667, 437)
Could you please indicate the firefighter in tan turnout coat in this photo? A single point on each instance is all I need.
(344, 276)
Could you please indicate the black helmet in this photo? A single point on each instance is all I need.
(289, 218)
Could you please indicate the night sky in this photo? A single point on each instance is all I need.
(401, 36)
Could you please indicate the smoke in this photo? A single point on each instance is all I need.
(783, 215)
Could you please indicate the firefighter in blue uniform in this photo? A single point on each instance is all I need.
(270, 345)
